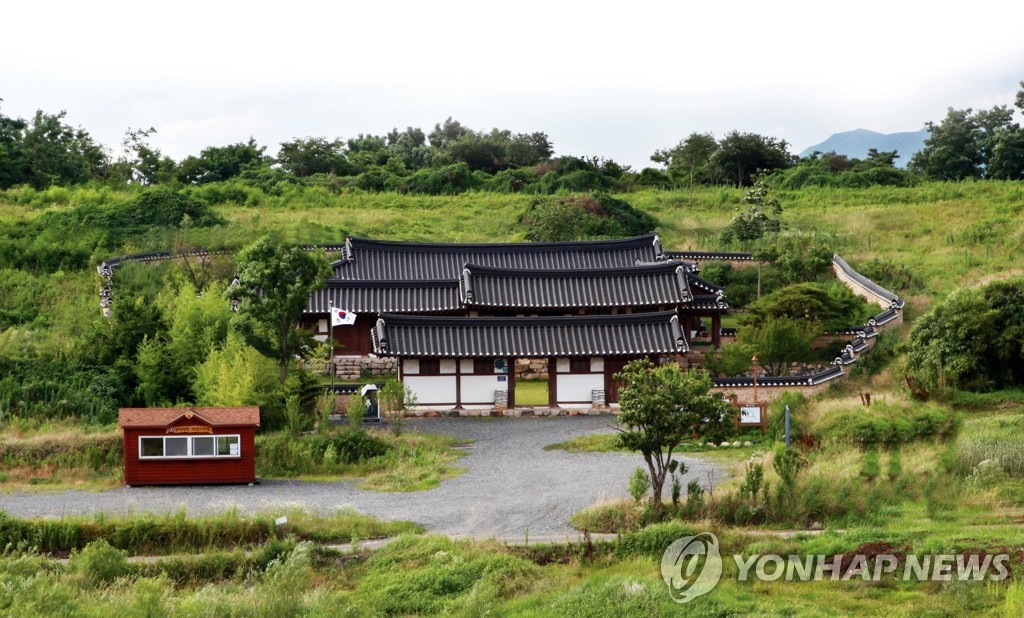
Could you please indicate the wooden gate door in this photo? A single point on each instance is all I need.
(611, 385)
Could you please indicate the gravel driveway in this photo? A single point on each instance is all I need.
(512, 486)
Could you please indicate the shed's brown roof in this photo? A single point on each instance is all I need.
(162, 417)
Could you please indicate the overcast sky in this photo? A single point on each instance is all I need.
(619, 80)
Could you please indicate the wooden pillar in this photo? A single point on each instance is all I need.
(716, 330)
(511, 364)
(552, 382)
(458, 383)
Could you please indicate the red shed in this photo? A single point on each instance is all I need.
(185, 446)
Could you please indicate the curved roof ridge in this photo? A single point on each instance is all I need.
(640, 269)
(399, 245)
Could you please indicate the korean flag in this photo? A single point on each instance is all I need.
(340, 317)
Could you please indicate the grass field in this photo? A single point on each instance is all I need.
(531, 392)
(966, 495)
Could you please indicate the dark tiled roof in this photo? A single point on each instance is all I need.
(386, 296)
(638, 286)
(247, 416)
(710, 255)
(704, 284)
(376, 259)
(607, 335)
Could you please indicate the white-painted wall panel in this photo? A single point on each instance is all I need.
(432, 389)
(480, 389)
(578, 387)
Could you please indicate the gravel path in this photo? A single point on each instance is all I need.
(512, 486)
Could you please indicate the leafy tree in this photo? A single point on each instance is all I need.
(142, 163)
(797, 257)
(236, 374)
(761, 217)
(274, 284)
(779, 341)
(577, 217)
(969, 144)
(46, 152)
(14, 166)
(218, 163)
(832, 307)
(446, 133)
(690, 158)
(973, 340)
(1007, 161)
(740, 156)
(662, 406)
(314, 155)
(410, 146)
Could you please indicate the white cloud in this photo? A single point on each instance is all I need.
(614, 79)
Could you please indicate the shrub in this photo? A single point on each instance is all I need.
(98, 563)
(282, 455)
(639, 484)
(653, 540)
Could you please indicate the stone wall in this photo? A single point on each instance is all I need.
(355, 367)
(531, 369)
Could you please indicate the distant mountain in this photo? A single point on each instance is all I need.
(857, 142)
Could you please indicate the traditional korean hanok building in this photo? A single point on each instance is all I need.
(189, 446)
(464, 362)
(528, 279)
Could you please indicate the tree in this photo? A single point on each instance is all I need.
(779, 341)
(973, 340)
(314, 155)
(830, 307)
(691, 157)
(662, 406)
(740, 156)
(444, 134)
(236, 374)
(218, 163)
(761, 217)
(274, 284)
(965, 143)
(141, 163)
(14, 167)
(58, 154)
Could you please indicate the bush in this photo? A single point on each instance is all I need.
(653, 540)
(282, 455)
(883, 425)
(98, 563)
(639, 484)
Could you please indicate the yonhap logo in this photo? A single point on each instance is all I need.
(691, 566)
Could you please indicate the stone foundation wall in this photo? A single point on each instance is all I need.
(355, 367)
(531, 369)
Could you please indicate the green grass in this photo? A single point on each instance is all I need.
(147, 533)
(531, 392)
(48, 457)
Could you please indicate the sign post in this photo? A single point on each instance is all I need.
(787, 427)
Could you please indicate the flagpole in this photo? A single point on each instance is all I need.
(330, 320)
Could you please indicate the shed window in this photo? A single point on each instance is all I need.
(483, 366)
(430, 366)
(151, 447)
(578, 364)
(202, 447)
(183, 447)
(175, 447)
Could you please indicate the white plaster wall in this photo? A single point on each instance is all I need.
(411, 366)
(578, 387)
(562, 365)
(447, 365)
(431, 389)
(465, 365)
(480, 389)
